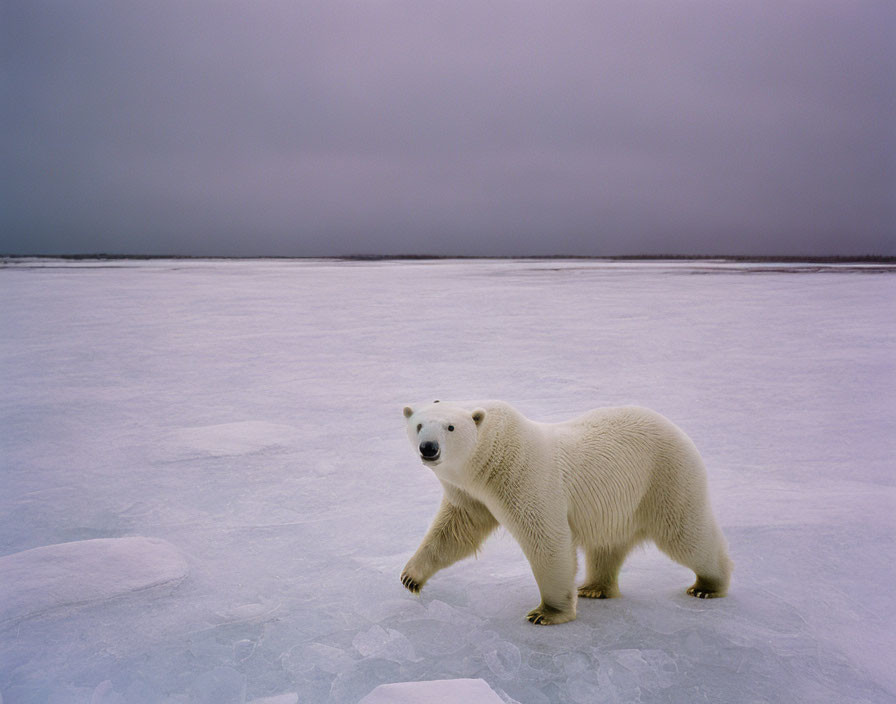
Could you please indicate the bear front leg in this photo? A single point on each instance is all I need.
(551, 554)
(602, 571)
(457, 531)
(555, 578)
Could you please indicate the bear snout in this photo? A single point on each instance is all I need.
(429, 450)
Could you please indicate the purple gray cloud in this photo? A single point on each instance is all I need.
(308, 128)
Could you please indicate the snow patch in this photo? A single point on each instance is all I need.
(38, 580)
(247, 613)
(460, 691)
(292, 698)
(228, 439)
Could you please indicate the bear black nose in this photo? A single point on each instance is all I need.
(429, 449)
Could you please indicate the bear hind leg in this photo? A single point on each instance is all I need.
(704, 550)
(602, 572)
(713, 570)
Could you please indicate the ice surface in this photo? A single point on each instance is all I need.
(38, 580)
(229, 439)
(460, 691)
(247, 415)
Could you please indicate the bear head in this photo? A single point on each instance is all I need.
(445, 436)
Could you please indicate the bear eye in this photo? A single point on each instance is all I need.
(450, 428)
(419, 427)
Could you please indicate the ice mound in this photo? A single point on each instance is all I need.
(246, 613)
(35, 581)
(388, 644)
(461, 691)
(228, 439)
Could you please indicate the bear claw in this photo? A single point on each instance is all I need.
(701, 594)
(546, 616)
(592, 593)
(410, 584)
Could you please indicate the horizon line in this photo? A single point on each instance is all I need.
(836, 258)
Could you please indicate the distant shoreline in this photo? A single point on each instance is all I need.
(809, 259)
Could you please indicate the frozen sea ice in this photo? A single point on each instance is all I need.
(38, 580)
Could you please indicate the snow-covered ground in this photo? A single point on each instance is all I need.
(239, 425)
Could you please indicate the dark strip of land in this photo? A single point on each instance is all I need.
(869, 259)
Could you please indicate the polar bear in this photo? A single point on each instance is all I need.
(604, 482)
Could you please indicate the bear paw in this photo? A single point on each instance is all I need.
(703, 594)
(707, 588)
(411, 584)
(589, 592)
(546, 615)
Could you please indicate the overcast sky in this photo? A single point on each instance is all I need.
(464, 127)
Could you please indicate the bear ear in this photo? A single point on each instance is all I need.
(408, 411)
(478, 415)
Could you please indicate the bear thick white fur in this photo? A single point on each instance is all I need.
(603, 482)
